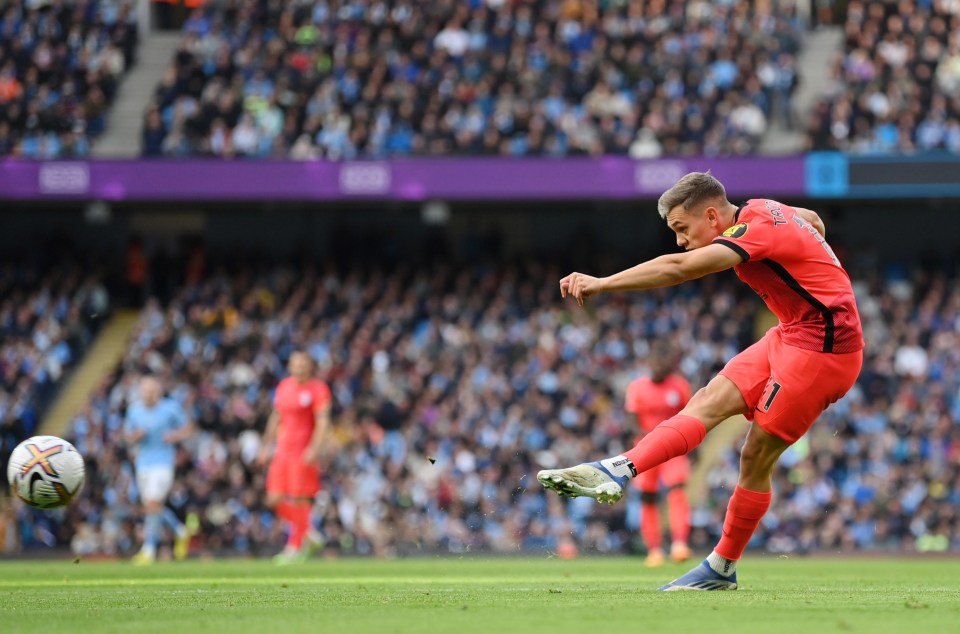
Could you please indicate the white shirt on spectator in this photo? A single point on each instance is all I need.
(749, 119)
(646, 145)
(246, 138)
(454, 39)
(910, 360)
(948, 74)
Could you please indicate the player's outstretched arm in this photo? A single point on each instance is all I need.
(666, 270)
(813, 218)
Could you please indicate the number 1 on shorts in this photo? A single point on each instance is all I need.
(769, 393)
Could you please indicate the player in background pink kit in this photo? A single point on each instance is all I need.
(298, 425)
(653, 400)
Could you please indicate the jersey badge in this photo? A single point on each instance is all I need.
(736, 231)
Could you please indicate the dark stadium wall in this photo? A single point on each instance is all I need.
(569, 232)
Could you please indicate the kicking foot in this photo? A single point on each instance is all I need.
(143, 559)
(703, 577)
(590, 479)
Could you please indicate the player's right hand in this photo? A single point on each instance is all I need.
(580, 286)
(263, 457)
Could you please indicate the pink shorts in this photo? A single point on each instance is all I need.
(786, 388)
(288, 475)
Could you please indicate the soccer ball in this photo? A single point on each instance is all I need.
(45, 472)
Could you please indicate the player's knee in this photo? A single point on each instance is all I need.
(273, 500)
(649, 497)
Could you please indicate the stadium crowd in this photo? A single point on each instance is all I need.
(60, 63)
(344, 79)
(453, 385)
(897, 86)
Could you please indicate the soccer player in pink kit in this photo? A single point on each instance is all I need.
(782, 383)
(653, 400)
(298, 424)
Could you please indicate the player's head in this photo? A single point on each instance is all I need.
(150, 390)
(300, 365)
(696, 209)
(662, 361)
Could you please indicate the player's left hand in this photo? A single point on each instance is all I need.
(171, 437)
(310, 455)
(580, 286)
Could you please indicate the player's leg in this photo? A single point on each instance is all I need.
(747, 506)
(300, 512)
(675, 475)
(604, 480)
(182, 533)
(279, 492)
(802, 384)
(749, 371)
(153, 484)
(152, 525)
(303, 485)
(649, 483)
(278, 487)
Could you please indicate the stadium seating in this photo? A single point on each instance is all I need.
(434, 443)
(897, 87)
(344, 80)
(60, 63)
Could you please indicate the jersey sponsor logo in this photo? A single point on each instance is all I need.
(305, 399)
(736, 231)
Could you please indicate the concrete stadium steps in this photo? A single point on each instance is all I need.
(814, 65)
(121, 139)
(102, 357)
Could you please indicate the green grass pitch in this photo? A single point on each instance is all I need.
(489, 596)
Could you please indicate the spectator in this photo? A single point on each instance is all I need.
(412, 363)
(895, 88)
(60, 64)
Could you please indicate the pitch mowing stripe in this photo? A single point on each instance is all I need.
(326, 581)
(514, 584)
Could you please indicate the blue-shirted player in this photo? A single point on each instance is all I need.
(154, 426)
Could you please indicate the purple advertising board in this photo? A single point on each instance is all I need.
(607, 178)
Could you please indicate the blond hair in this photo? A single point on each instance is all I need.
(692, 189)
